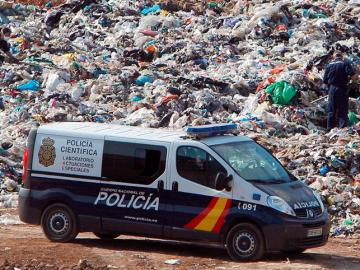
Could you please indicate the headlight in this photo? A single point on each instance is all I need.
(317, 196)
(279, 204)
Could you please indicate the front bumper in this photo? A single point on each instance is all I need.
(292, 233)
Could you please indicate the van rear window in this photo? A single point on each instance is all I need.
(133, 163)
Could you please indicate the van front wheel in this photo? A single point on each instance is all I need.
(59, 223)
(244, 242)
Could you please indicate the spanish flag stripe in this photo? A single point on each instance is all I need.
(209, 222)
(221, 220)
(195, 221)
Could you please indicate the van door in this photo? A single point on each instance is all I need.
(198, 209)
(132, 187)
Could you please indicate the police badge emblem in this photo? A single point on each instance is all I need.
(47, 153)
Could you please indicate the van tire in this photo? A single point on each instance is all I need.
(59, 224)
(252, 246)
(107, 236)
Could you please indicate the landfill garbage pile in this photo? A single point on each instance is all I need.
(168, 64)
(41, 2)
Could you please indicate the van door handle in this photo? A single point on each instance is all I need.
(160, 185)
(175, 186)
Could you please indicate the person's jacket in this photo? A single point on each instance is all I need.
(338, 73)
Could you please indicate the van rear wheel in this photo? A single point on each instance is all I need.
(107, 236)
(59, 223)
(245, 242)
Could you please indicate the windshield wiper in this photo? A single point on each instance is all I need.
(277, 181)
(259, 181)
(268, 181)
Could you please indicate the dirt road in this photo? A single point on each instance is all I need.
(24, 244)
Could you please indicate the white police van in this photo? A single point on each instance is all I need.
(201, 185)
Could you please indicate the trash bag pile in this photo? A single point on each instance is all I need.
(169, 64)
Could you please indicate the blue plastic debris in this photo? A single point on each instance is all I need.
(98, 71)
(49, 5)
(251, 118)
(31, 85)
(137, 98)
(203, 63)
(324, 170)
(153, 9)
(104, 22)
(141, 80)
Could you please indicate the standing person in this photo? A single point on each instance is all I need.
(337, 75)
(5, 48)
(4, 45)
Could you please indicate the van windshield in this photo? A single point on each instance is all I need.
(253, 163)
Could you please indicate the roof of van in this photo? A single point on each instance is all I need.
(100, 130)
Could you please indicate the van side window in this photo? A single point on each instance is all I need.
(196, 165)
(133, 163)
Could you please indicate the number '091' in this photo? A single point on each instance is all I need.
(247, 206)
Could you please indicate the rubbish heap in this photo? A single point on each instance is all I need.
(168, 64)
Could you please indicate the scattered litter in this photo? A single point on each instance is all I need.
(173, 262)
(8, 219)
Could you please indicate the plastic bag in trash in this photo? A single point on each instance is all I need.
(281, 92)
(153, 9)
(31, 85)
(353, 118)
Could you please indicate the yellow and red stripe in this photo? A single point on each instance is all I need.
(212, 217)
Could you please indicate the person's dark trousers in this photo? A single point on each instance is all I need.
(2, 106)
(338, 107)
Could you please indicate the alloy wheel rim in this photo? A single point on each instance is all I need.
(245, 244)
(59, 223)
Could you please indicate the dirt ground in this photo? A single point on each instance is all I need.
(25, 245)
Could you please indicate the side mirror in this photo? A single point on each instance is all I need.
(223, 182)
